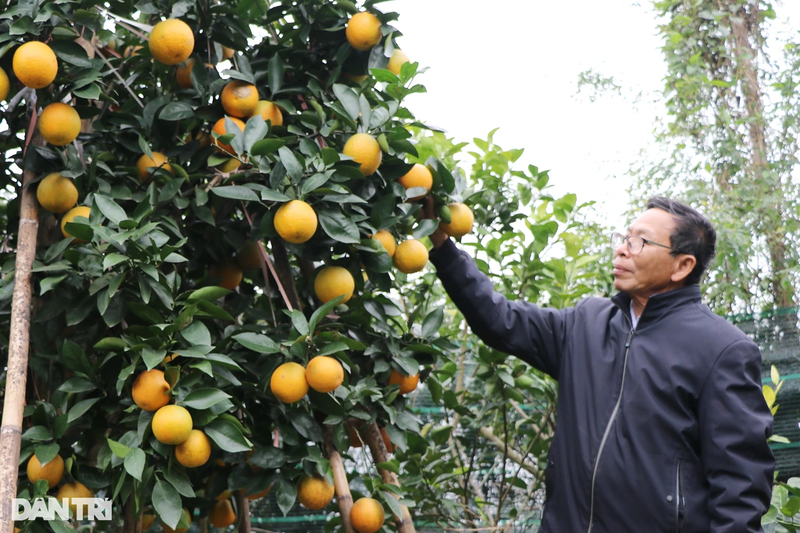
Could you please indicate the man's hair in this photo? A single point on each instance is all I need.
(693, 235)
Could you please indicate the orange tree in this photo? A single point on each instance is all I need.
(210, 176)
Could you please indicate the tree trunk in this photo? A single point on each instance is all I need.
(380, 454)
(284, 271)
(132, 523)
(243, 506)
(19, 343)
(343, 497)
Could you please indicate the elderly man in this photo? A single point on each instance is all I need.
(662, 425)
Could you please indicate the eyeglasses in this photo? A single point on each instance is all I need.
(635, 243)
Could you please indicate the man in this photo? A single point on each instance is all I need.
(662, 425)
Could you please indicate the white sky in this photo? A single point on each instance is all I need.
(514, 64)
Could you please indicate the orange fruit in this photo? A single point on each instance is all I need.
(222, 515)
(5, 85)
(219, 127)
(295, 221)
(288, 382)
(363, 31)
(229, 273)
(315, 492)
(59, 124)
(187, 517)
(69, 216)
(131, 51)
(35, 65)
(418, 176)
(324, 374)
(239, 99)
(387, 240)
(74, 490)
(151, 390)
(159, 160)
(171, 41)
(398, 59)
(56, 193)
(184, 73)
(172, 424)
(194, 451)
(171, 357)
(259, 495)
(203, 139)
(365, 150)
(407, 383)
(225, 494)
(249, 257)
(461, 220)
(410, 256)
(147, 521)
(227, 53)
(269, 111)
(229, 166)
(367, 515)
(52, 472)
(334, 281)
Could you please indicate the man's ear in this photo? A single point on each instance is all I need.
(684, 267)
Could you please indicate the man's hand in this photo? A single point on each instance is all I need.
(438, 237)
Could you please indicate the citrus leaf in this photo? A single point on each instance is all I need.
(210, 294)
(110, 209)
(266, 146)
(204, 398)
(227, 436)
(179, 480)
(167, 503)
(134, 463)
(46, 453)
(80, 408)
(338, 226)
(236, 192)
(257, 343)
(120, 450)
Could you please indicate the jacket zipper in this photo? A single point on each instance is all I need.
(678, 499)
(610, 421)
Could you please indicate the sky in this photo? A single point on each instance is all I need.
(514, 64)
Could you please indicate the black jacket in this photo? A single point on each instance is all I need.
(660, 429)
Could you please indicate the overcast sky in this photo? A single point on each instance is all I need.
(514, 64)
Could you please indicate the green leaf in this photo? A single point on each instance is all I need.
(391, 466)
(70, 52)
(299, 322)
(269, 457)
(323, 310)
(291, 163)
(204, 398)
(334, 347)
(176, 111)
(59, 526)
(113, 259)
(433, 321)
(110, 209)
(37, 433)
(75, 359)
(275, 73)
(257, 343)
(152, 358)
(47, 452)
(227, 436)
(134, 463)
(338, 226)
(197, 333)
(425, 228)
(392, 502)
(266, 146)
(210, 294)
(285, 494)
(349, 100)
(167, 503)
(120, 450)
(236, 192)
(90, 92)
(254, 131)
(306, 426)
(77, 385)
(180, 481)
(80, 408)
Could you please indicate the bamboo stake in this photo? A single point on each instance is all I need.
(19, 342)
(243, 506)
(380, 455)
(340, 484)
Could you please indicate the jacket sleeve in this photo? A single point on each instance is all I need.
(734, 423)
(535, 335)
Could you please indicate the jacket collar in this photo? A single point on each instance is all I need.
(661, 304)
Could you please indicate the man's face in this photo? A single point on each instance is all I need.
(650, 271)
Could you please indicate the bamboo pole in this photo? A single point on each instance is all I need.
(343, 497)
(19, 341)
(380, 454)
(243, 506)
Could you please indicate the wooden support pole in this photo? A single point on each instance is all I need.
(373, 438)
(243, 506)
(340, 484)
(19, 342)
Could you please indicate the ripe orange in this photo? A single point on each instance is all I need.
(259, 495)
(151, 390)
(35, 65)
(187, 517)
(59, 124)
(314, 493)
(269, 111)
(398, 59)
(288, 382)
(147, 521)
(222, 515)
(239, 99)
(159, 160)
(249, 256)
(365, 150)
(367, 515)
(229, 166)
(171, 357)
(410, 256)
(387, 240)
(334, 281)
(69, 216)
(203, 139)
(172, 424)
(229, 273)
(56, 193)
(52, 471)
(407, 383)
(184, 73)
(461, 220)
(171, 41)
(324, 374)
(74, 490)
(295, 221)
(194, 451)
(363, 31)
(5, 85)
(418, 176)
(219, 127)
(227, 53)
